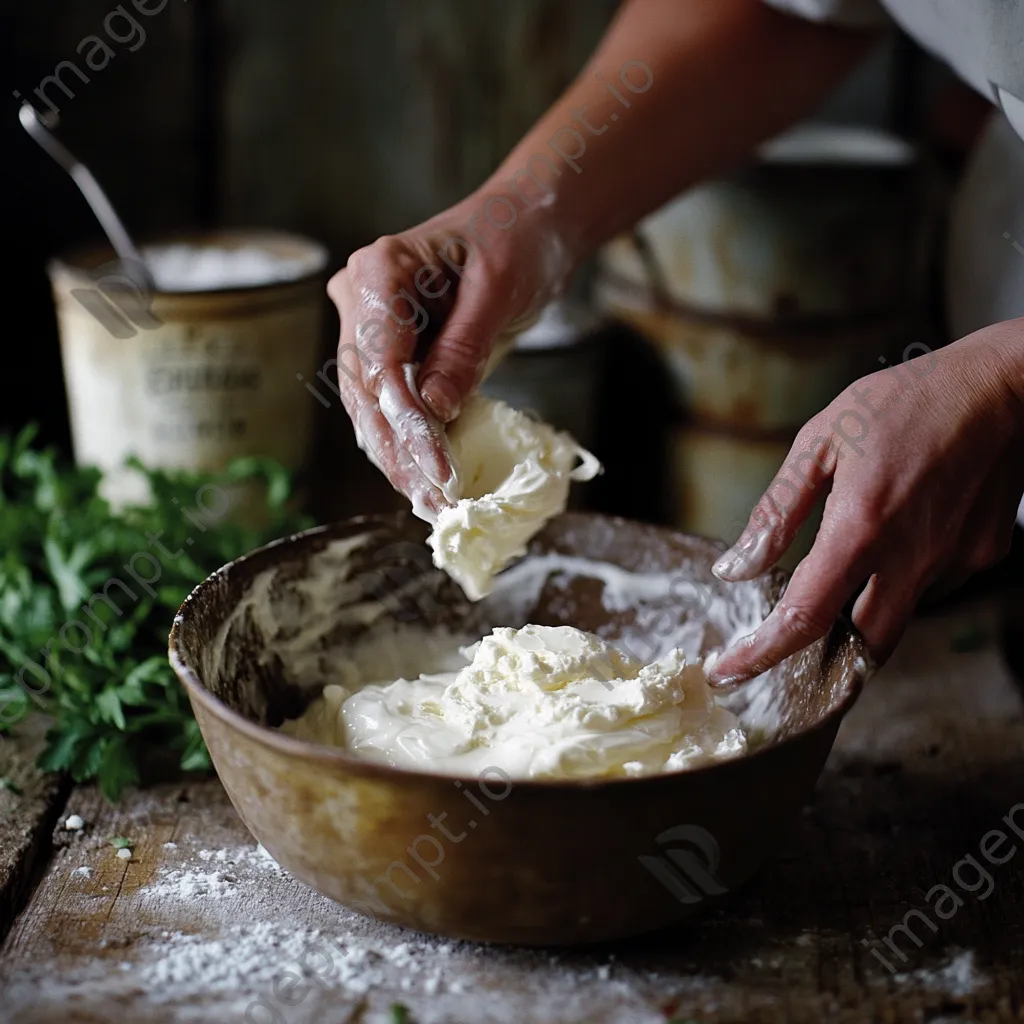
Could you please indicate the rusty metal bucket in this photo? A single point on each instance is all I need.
(766, 293)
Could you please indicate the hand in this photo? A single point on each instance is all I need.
(439, 294)
(923, 469)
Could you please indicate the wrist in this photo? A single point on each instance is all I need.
(546, 227)
(997, 356)
(1014, 368)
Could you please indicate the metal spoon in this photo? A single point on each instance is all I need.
(131, 259)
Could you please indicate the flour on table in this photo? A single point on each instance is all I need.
(959, 977)
(217, 877)
(193, 979)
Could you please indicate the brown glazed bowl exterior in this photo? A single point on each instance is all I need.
(526, 862)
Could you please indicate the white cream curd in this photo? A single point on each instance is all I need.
(514, 473)
(535, 702)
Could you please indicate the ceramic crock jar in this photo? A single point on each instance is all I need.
(191, 376)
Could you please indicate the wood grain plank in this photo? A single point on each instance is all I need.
(30, 803)
(926, 764)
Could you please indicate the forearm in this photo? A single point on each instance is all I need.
(715, 78)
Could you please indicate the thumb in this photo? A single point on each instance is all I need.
(456, 359)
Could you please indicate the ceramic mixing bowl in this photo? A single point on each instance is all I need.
(492, 858)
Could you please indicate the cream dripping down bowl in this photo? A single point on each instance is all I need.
(490, 857)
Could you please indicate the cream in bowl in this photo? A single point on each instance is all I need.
(492, 853)
(541, 702)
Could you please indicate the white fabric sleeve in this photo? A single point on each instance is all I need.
(850, 13)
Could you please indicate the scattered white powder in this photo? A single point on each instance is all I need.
(186, 885)
(74, 823)
(263, 856)
(352, 959)
(124, 853)
(170, 846)
(189, 268)
(83, 872)
(252, 856)
(217, 880)
(960, 977)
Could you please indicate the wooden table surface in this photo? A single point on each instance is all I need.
(201, 926)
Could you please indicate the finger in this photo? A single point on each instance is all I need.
(395, 462)
(821, 586)
(386, 332)
(418, 431)
(457, 357)
(375, 339)
(782, 510)
(883, 609)
(376, 440)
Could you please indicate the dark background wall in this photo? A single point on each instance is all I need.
(342, 119)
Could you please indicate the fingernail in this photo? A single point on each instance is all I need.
(452, 488)
(441, 396)
(726, 565)
(422, 510)
(724, 683)
(711, 669)
(713, 672)
(744, 558)
(734, 663)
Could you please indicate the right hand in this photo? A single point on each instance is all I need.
(440, 294)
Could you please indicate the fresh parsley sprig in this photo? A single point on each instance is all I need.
(88, 594)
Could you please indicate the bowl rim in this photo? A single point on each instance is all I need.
(337, 757)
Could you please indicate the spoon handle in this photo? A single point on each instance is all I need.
(94, 194)
(108, 218)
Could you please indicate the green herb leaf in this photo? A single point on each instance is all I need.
(66, 570)
(63, 746)
(83, 635)
(399, 1013)
(120, 843)
(117, 770)
(10, 786)
(195, 757)
(14, 704)
(108, 706)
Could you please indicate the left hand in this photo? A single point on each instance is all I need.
(924, 473)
